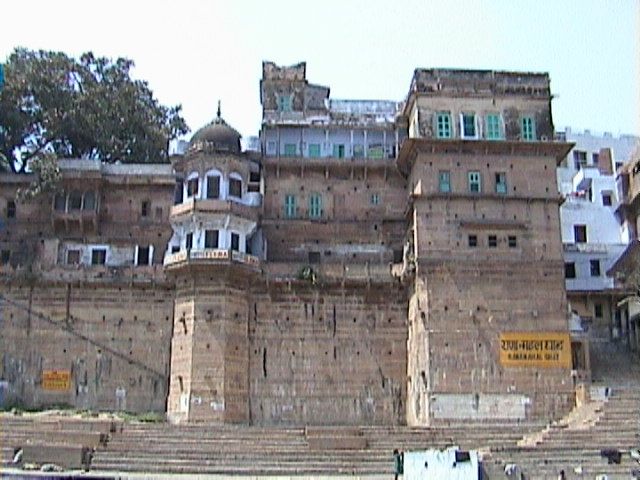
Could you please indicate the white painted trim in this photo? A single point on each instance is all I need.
(191, 176)
(461, 125)
(243, 186)
(214, 172)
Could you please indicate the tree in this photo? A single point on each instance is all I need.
(47, 176)
(89, 108)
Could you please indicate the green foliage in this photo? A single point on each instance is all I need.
(146, 417)
(47, 176)
(307, 273)
(88, 108)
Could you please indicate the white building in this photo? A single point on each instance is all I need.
(587, 151)
(592, 236)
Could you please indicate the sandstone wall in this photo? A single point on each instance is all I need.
(114, 341)
(334, 356)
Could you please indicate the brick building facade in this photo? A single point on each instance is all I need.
(377, 262)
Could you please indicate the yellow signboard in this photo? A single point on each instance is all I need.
(535, 349)
(56, 380)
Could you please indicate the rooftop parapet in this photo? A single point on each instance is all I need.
(297, 72)
(363, 112)
(86, 165)
(479, 83)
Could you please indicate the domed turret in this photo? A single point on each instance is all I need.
(217, 135)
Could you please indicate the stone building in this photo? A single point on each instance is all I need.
(83, 289)
(372, 264)
(485, 243)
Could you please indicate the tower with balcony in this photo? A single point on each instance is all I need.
(214, 256)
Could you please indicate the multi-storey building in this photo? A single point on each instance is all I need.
(606, 152)
(86, 308)
(484, 233)
(378, 262)
(592, 237)
(626, 269)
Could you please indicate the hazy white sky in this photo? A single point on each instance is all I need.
(196, 52)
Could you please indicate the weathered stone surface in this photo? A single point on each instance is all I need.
(364, 303)
(66, 456)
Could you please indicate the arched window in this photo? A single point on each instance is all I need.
(213, 182)
(235, 185)
(75, 200)
(60, 202)
(178, 194)
(89, 202)
(211, 239)
(193, 184)
(235, 241)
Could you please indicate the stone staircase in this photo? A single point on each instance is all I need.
(574, 444)
(65, 441)
(229, 450)
(575, 447)
(203, 449)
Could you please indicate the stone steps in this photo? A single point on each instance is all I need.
(578, 439)
(6, 454)
(229, 451)
(366, 450)
(234, 467)
(550, 470)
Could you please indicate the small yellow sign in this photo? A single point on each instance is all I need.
(535, 349)
(56, 380)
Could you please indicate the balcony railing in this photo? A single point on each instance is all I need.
(210, 255)
(86, 220)
(193, 205)
(586, 247)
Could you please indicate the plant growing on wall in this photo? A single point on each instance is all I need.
(307, 273)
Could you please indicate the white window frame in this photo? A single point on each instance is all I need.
(193, 240)
(235, 176)
(99, 247)
(240, 242)
(414, 126)
(204, 237)
(476, 129)
(137, 254)
(221, 185)
(191, 176)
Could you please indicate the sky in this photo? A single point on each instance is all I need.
(196, 52)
